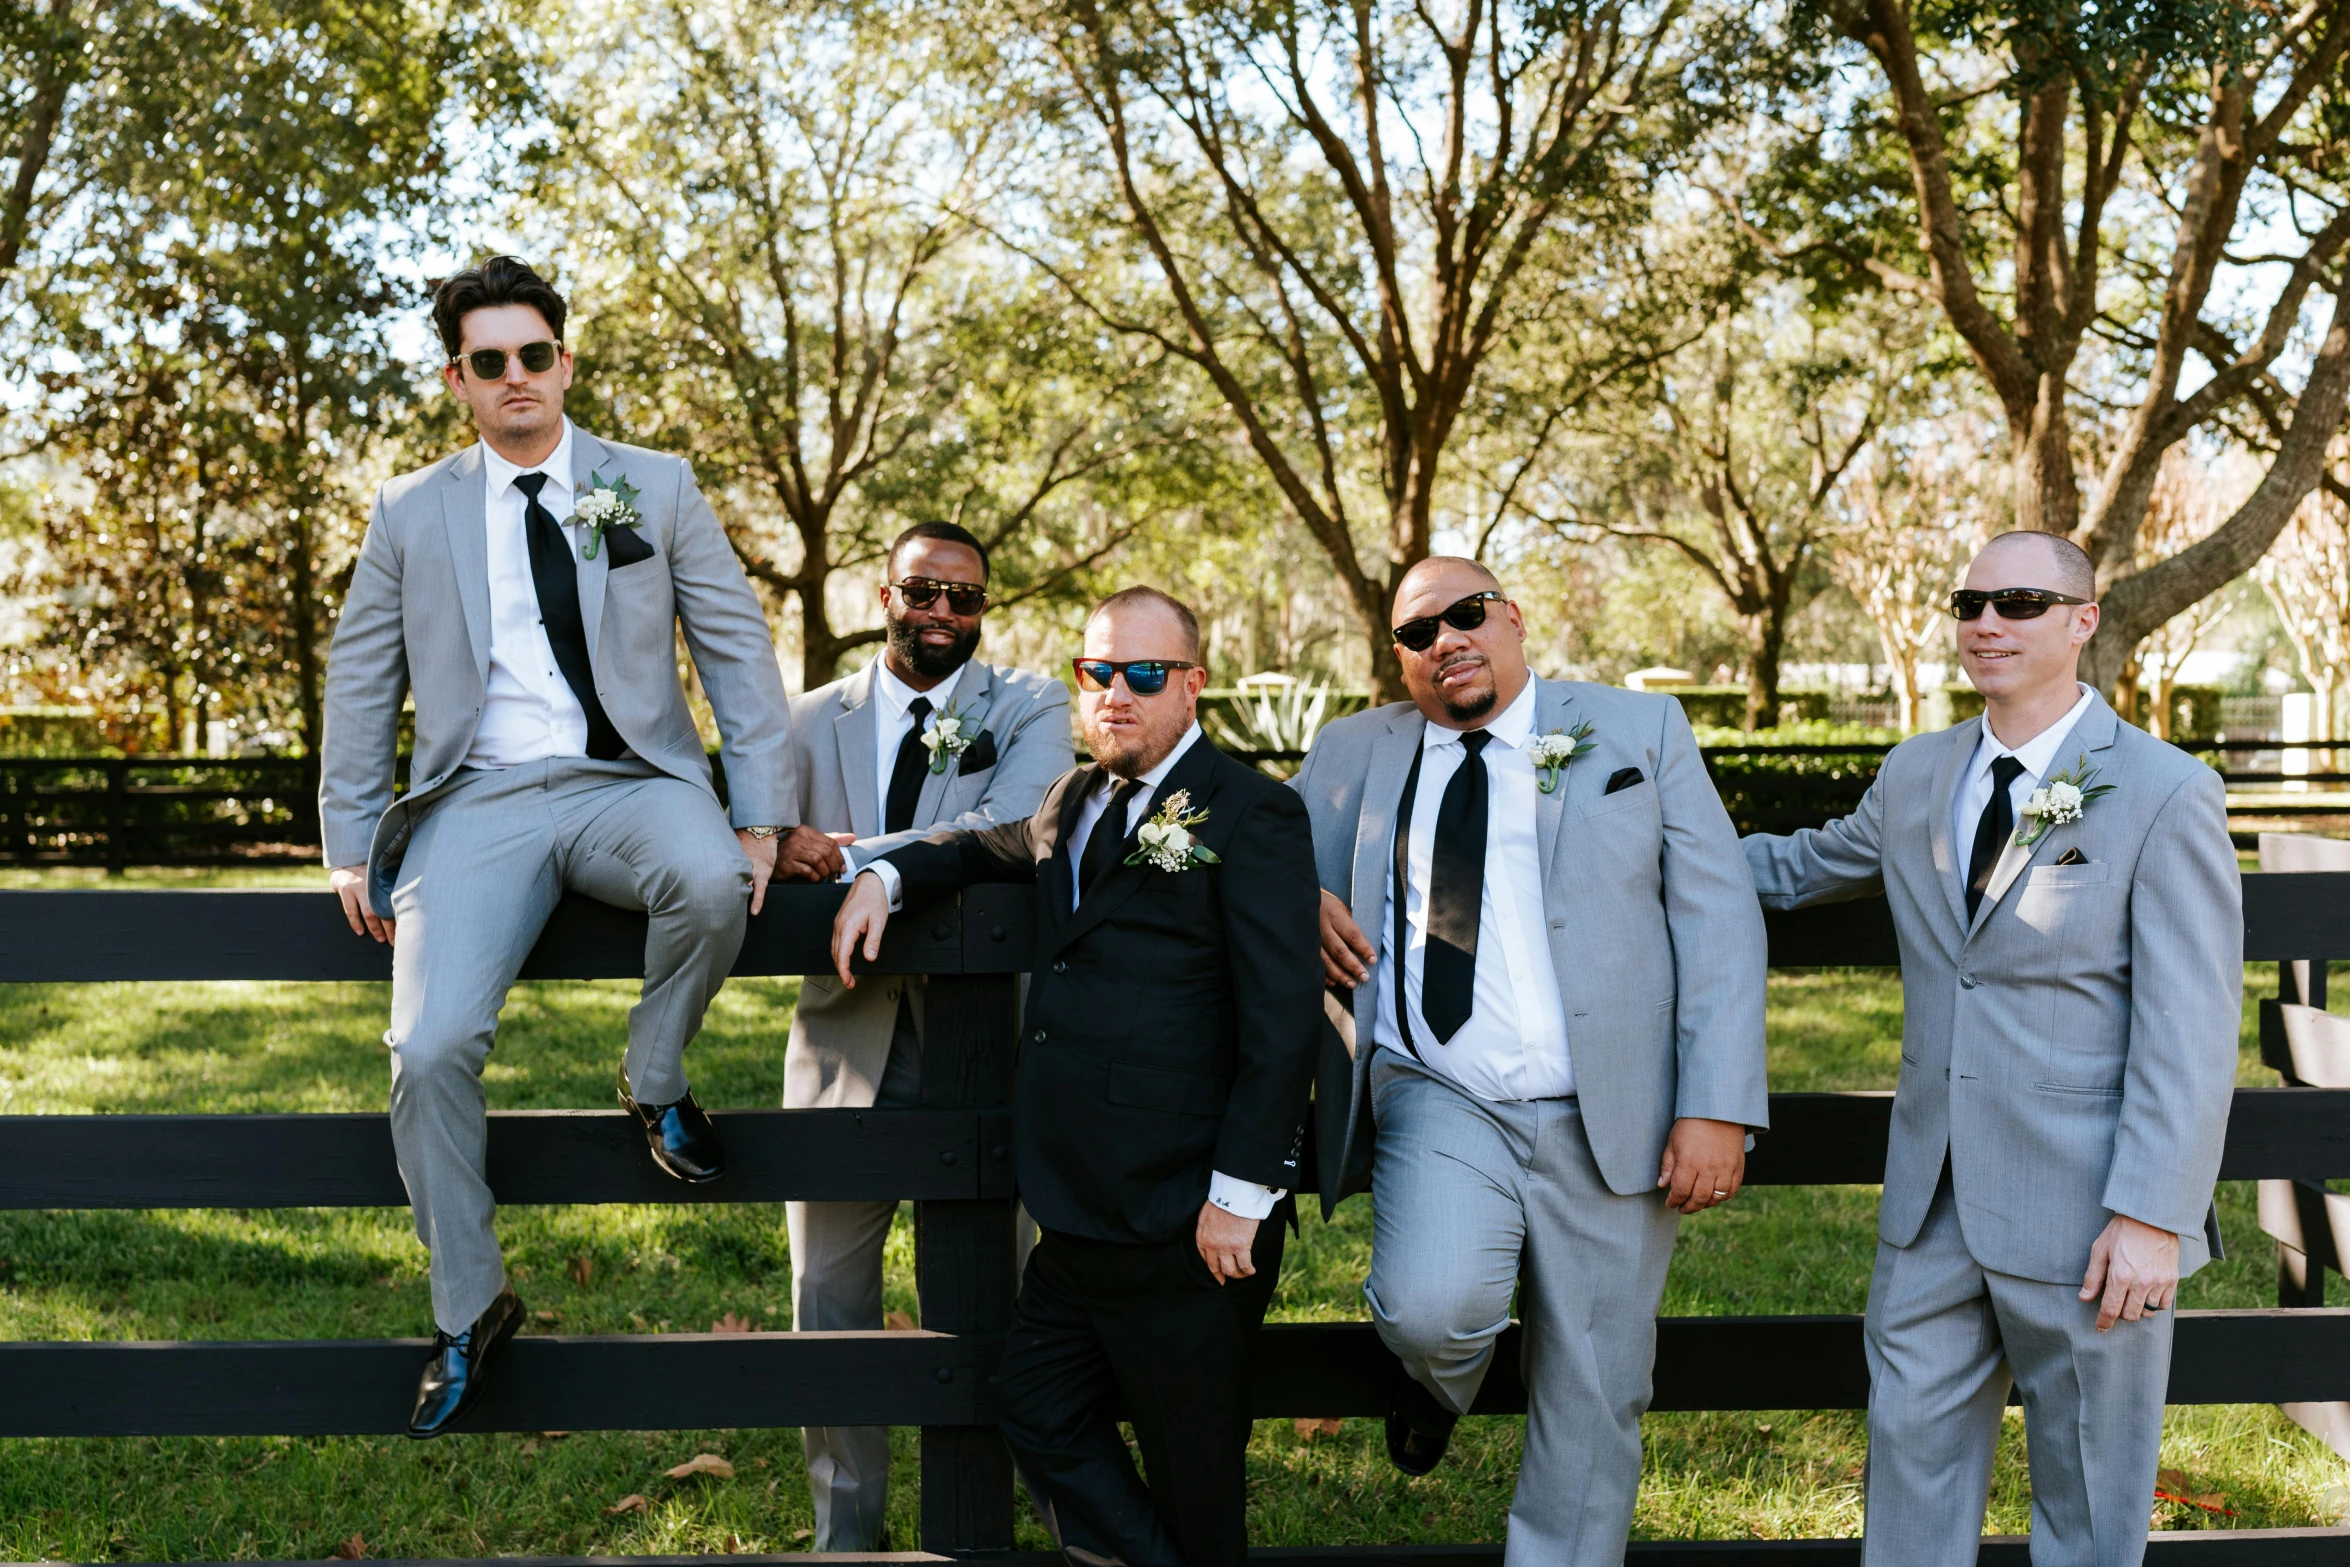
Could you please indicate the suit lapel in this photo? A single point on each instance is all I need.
(2093, 733)
(588, 455)
(1064, 878)
(853, 744)
(1122, 881)
(1957, 751)
(972, 694)
(1551, 701)
(1375, 823)
(465, 512)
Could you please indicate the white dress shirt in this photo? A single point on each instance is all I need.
(2040, 755)
(1244, 1198)
(528, 711)
(891, 699)
(1514, 1044)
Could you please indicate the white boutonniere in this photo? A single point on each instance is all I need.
(2060, 800)
(1167, 843)
(1551, 753)
(603, 508)
(948, 737)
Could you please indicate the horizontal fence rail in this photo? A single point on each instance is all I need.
(952, 1158)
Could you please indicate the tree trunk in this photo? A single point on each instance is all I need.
(2158, 714)
(1766, 634)
(2124, 691)
(51, 81)
(1910, 708)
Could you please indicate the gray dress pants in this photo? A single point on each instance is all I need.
(836, 1252)
(1475, 1202)
(1946, 1338)
(488, 862)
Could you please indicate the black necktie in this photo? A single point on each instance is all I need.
(1992, 830)
(905, 778)
(1456, 890)
(557, 582)
(1101, 849)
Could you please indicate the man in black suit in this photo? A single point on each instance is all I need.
(1167, 1050)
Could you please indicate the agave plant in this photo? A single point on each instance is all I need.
(1281, 718)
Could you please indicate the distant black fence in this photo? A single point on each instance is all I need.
(197, 811)
(951, 1157)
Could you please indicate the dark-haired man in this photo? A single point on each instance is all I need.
(528, 593)
(922, 739)
(1165, 1056)
(2071, 931)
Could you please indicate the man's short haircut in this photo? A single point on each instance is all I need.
(2069, 570)
(945, 533)
(1479, 567)
(1128, 598)
(498, 280)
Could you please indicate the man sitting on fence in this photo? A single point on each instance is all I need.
(2072, 939)
(1166, 1053)
(529, 592)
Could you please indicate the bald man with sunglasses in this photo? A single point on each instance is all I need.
(1553, 1046)
(2071, 932)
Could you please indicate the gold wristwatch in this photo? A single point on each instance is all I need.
(761, 832)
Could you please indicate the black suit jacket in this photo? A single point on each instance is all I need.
(1172, 1019)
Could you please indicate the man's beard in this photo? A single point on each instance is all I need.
(931, 663)
(1467, 709)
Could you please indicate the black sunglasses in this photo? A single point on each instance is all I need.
(2012, 603)
(1461, 614)
(962, 597)
(1144, 676)
(489, 364)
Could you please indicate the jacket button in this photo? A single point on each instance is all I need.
(1060, 966)
(1966, 981)
(1040, 1036)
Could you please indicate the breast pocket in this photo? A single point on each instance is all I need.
(2051, 878)
(1640, 794)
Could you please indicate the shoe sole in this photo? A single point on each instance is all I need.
(706, 1179)
(473, 1389)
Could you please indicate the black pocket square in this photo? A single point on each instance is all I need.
(2072, 856)
(1624, 778)
(981, 754)
(626, 547)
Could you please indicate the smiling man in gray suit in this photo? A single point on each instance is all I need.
(924, 739)
(2071, 933)
(1556, 1028)
(528, 592)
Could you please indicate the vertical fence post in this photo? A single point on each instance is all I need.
(963, 1251)
(118, 799)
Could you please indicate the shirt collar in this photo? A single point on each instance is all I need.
(2038, 754)
(557, 467)
(895, 696)
(1512, 726)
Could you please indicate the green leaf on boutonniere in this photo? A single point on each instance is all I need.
(604, 507)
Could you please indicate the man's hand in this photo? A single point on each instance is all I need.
(1346, 951)
(1705, 1162)
(761, 853)
(863, 915)
(350, 885)
(1226, 1243)
(804, 854)
(2135, 1267)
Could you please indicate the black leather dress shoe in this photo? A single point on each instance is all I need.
(1419, 1428)
(682, 1139)
(452, 1380)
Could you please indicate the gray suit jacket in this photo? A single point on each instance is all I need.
(840, 1038)
(2074, 1052)
(417, 619)
(1654, 930)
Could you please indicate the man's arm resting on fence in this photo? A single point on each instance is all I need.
(919, 872)
(1822, 864)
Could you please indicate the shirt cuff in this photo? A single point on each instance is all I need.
(1245, 1199)
(887, 874)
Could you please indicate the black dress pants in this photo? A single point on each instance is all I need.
(1103, 1331)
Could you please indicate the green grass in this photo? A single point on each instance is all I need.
(360, 1273)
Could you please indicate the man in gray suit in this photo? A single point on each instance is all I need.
(2071, 965)
(528, 593)
(1556, 1028)
(924, 739)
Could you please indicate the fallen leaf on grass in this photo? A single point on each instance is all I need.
(583, 1268)
(703, 1464)
(730, 1323)
(352, 1550)
(1428, 1520)
(734, 1545)
(1309, 1429)
(530, 1447)
(2171, 1479)
(897, 1322)
(543, 1316)
(634, 1503)
(554, 1436)
(797, 1535)
(760, 1463)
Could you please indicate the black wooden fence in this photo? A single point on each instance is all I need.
(951, 1158)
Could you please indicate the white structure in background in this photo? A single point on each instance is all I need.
(1657, 675)
(2300, 723)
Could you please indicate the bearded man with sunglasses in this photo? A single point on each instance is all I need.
(924, 739)
(528, 593)
(2071, 931)
(1166, 1052)
(1554, 1046)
